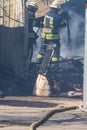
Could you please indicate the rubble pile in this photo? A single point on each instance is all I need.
(64, 78)
(67, 77)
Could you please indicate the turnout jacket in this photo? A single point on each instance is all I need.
(53, 21)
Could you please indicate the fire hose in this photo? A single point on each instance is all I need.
(36, 124)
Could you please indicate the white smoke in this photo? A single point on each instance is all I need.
(36, 48)
(76, 23)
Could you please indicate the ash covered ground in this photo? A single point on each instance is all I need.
(68, 76)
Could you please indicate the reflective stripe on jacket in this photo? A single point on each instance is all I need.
(31, 35)
(39, 56)
(54, 59)
(48, 21)
(50, 36)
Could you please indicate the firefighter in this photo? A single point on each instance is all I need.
(54, 20)
(32, 36)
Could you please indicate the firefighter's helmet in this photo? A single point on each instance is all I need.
(32, 5)
(57, 3)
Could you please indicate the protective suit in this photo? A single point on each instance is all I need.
(54, 20)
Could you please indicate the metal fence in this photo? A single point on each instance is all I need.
(14, 32)
(12, 35)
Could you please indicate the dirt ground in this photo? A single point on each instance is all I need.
(17, 113)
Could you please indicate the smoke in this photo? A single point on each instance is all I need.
(36, 48)
(76, 44)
